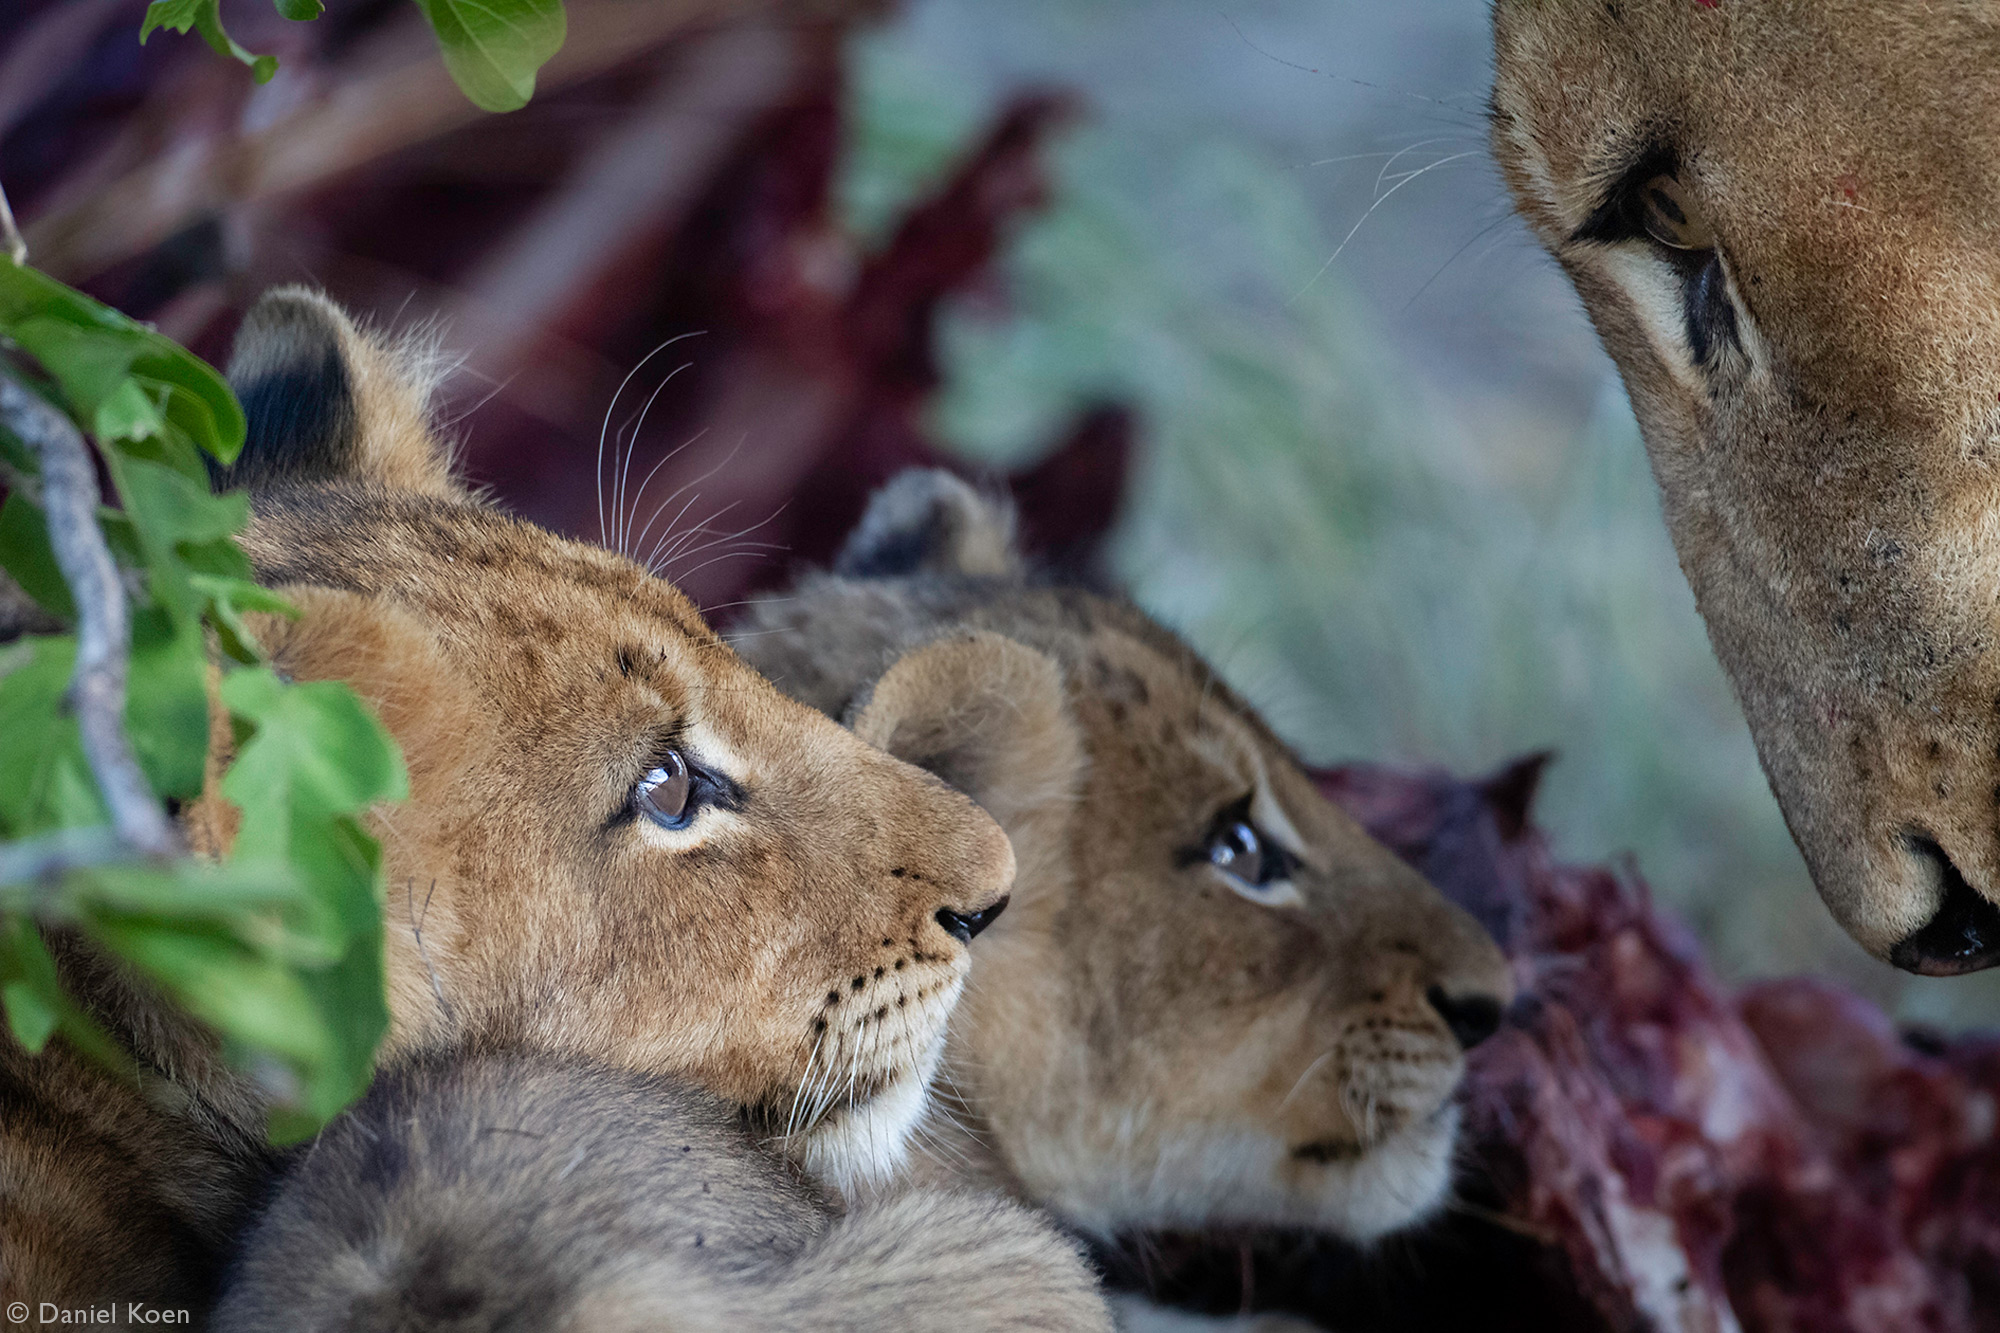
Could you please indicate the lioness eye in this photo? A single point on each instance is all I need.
(1670, 217)
(663, 794)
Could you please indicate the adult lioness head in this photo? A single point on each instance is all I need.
(1215, 999)
(621, 841)
(1782, 219)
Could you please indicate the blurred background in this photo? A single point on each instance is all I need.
(1229, 295)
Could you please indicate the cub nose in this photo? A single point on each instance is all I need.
(1963, 935)
(1471, 1018)
(964, 925)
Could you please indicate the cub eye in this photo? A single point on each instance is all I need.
(1237, 850)
(665, 794)
(1670, 217)
(1253, 865)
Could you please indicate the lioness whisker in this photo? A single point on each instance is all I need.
(1381, 200)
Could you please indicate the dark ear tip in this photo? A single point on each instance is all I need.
(1510, 793)
(928, 521)
(287, 326)
(290, 369)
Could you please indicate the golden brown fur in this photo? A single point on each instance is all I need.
(1145, 1044)
(801, 924)
(1818, 381)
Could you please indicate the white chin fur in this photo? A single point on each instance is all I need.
(865, 1145)
(1217, 1178)
(1398, 1183)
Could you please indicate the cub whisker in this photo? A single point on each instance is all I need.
(603, 527)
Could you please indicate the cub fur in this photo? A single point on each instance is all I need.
(809, 913)
(488, 1191)
(1215, 1000)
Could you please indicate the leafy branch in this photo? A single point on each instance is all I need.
(492, 47)
(278, 948)
(104, 626)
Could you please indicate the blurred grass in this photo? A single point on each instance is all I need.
(1381, 585)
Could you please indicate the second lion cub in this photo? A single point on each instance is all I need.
(1215, 1000)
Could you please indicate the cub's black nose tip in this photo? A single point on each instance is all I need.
(964, 925)
(1963, 935)
(1471, 1018)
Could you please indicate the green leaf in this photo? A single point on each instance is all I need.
(191, 889)
(89, 361)
(127, 414)
(32, 993)
(48, 783)
(89, 348)
(172, 511)
(166, 703)
(26, 554)
(182, 529)
(198, 399)
(317, 748)
(205, 16)
(494, 47)
(316, 760)
(280, 950)
(299, 11)
(229, 598)
(31, 1015)
(221, 980)
(355, 1003)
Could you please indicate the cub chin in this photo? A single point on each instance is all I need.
(483, 1191)
(1214, 1001)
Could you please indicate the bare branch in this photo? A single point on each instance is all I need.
(10, 235)
(29, 869)
(104, 626)
(391, 93)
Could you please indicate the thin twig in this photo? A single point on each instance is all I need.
(9, 233)
(35, 863)
(104, 625)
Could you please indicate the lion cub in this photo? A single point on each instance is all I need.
(1215, 1000)
(621, 845)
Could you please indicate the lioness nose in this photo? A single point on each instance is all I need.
(1963, 935)
(964, 925)
(1471, 1018)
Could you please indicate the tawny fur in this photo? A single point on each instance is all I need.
(1828, 472)
(790, 941)
(486, 1191)
(1140, 1045)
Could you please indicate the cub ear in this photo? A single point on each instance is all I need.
(991, 717)
(927, 521)
(327, 401)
